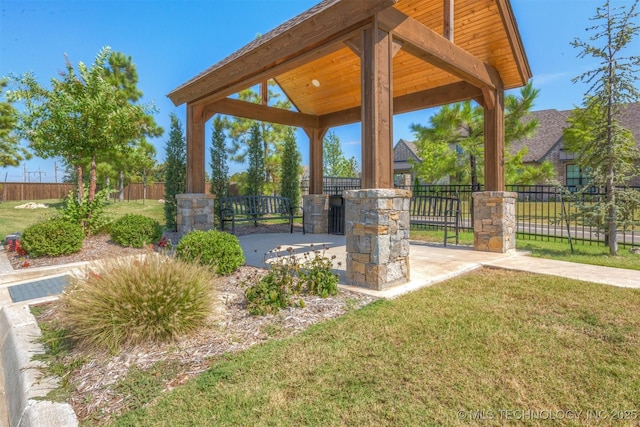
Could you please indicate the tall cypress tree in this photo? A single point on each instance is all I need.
(175, 171)
(290, 177)
(255, 173)
(219, 167)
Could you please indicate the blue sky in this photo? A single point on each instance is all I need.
(170, 41)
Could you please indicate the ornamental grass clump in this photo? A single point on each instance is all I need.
(217, 249)
(137, 300)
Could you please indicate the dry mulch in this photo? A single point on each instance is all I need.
(230, 329)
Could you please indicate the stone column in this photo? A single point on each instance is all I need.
(377, 234)
(195, 212)
(316, 213)
(494, 221)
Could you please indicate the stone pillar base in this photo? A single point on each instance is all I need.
(494, 221)
(195, 212)
(377, 234)
(316, 213)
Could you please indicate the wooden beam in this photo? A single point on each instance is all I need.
(316, 136)
(377, 108)
(195, 151)
(447, 31)
(248, 110)
(515, 41)
(304, 33)
(233, 84)
(494, 144)
(454, 92)
(426, 44)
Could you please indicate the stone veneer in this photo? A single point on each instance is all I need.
(494, 221)
(377, 234)
(195, 212)
(316, 213)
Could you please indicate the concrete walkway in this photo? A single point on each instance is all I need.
(432, 263)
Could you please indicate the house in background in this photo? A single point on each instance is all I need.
(548, 145)
(404, 154)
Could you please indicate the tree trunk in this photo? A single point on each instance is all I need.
(121, 186)
(92, 180)
(80, 184)
(474, 173)
(144, 186)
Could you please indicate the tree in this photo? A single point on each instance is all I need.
(290, 182)
(334, 163)
(255, 173)
(141, 162)
(219, 167)
(175, 171)
(121, 73)
(453, 144)
(272, 135)
(82, 118)
(11, 153)
(603, 147)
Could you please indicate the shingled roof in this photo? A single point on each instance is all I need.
(551, 125)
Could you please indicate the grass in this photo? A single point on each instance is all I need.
(12, 220)
(473, 346)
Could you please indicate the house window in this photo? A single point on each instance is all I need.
(576, 178)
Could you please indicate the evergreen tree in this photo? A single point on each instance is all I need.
(290, 183)
(219, 167)
(176, 171)
(602, 146)
(11, 153)
(255, 173)
(334, 163)
(461, 126)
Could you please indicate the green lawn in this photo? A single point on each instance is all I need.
(487, 344)
(12, 220)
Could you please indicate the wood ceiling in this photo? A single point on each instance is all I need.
(314, 57)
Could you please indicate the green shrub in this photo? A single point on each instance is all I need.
(131, 301)
(276, 288)
(211, 248)
(288, 277)
(318, 276)
(53, 237)
(135, 230)
(91, 216)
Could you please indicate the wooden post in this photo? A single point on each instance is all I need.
(195, 150)
(377, 108)
(316, 136)
(447, 31)
(494, 139)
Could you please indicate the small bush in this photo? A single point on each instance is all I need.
(53, 237)
(275, 289)
(318, 276)
(288, 277)
(132, 301)
(211, 248)
(91, 216)
(135, 230)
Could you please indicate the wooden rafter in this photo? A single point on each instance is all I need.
(425, 43)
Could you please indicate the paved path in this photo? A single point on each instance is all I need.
(430, 263)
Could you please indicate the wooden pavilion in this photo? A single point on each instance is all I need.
(344, 61)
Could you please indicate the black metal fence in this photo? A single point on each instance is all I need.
(543, 212)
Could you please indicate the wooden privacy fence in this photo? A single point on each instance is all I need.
(25, 191)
